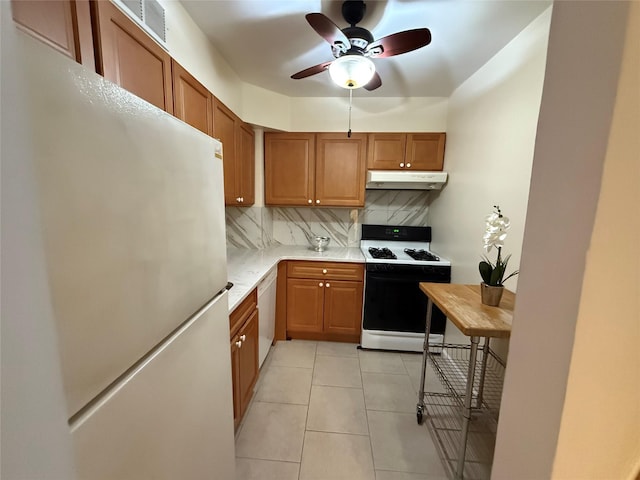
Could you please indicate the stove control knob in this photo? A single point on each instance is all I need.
(324, 270)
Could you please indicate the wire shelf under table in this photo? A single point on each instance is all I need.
(451, 363)
(443, 411)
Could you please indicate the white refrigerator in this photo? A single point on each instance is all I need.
(132, 213)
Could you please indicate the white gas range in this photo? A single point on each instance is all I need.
(397, 259)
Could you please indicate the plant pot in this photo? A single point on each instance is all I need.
(491, 294)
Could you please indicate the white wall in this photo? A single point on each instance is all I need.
(425, 114)
(604, 376)
(585, 45)
(189, 46)
(34, 437)
(491, 131)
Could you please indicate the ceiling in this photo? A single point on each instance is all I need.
(266, 41)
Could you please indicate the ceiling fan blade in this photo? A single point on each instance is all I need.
(307, 72)
(327, 29)
(374, 83)
(401, 42)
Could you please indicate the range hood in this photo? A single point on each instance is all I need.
(405, 180)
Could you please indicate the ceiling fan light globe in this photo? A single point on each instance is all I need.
(352, 71)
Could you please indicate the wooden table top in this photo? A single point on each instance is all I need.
(463, 307)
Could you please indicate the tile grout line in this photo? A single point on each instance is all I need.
(306, 420)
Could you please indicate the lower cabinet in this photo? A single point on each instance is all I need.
(324, 300)
(244, 354)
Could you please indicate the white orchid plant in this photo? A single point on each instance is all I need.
(494, 236)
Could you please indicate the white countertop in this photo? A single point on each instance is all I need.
(246, 267)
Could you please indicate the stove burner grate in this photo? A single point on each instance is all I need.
(382, 253)
(421, 255)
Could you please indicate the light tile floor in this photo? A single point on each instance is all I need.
(328, 411)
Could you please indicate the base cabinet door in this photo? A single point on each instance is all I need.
(235, 376)
(343, 307)
(305, 298)
(248, 359)
(244, 328)
(324, 300)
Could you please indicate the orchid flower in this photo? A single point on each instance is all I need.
(496, 226)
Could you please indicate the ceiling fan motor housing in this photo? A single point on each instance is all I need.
(353, 11)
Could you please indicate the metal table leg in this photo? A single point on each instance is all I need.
(425, 356)
(466, 412)
(483, 371)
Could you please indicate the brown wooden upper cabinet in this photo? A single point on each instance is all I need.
(129, 57)
(401, 151)
(192, 102)
(238, 153)
(320, 170)
(62, 24)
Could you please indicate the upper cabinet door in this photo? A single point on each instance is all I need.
(289, 168)
(340, 169)
(224, 121)
(129, 57)
(62, 24)
(425, 151)
(192, 102)
(386, 151)
(246, 163)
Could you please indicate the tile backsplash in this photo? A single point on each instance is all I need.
(260, 227)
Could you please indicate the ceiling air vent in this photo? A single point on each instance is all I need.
(135, 6)
(149, 14)
(154, 18)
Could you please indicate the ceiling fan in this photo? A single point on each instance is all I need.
(353, 47)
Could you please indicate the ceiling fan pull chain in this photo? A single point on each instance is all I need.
(350, 101)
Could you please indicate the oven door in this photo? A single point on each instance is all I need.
(394, 302)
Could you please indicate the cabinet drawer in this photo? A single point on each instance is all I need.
(242, 312)
(331, 270)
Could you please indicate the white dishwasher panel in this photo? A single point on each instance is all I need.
(267, 309)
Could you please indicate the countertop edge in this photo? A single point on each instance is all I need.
(263, 261)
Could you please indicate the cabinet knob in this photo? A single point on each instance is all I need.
(243, 337)
(328, 285)
(321, 284)
(238, 199)
(402, 165)
(324, 270)
(239, 344)
(310, 201)
(241, 199)
(408, 165)
(317, 201)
